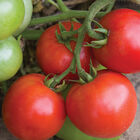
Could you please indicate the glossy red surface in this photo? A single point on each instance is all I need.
(122, 51)
(54, 57)
(32, 111)
(103, 108)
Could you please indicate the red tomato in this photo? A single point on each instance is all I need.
(122, 51)
(32, 111)
(103, 108)
(54, 57)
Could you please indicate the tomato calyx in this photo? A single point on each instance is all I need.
(52, 83)
(83, 75)
(66, 36)
(98, 43)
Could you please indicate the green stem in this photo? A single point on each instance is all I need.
(32, 34)
(62, 6)
(53, 3)
(109, 8)
(51, 83)
(81, 35)
(81, 72)
(64, 16)
(94, 9)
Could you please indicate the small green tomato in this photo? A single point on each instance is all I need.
(70, 132)
(10, 58)
(11, 17)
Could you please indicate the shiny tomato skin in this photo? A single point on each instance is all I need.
(122, 51)
(54, 57)
(32, 111)
(103, 108)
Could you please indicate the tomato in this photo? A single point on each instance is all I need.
(122, 51)
(10, 58)
(70, 132)
(54, 57)
(103, 108)
(32, 111)
(27, 17)
(11, 16)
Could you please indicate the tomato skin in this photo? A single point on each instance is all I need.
(103, 108)
(54, 57)
(122, 51)
(11, 16)
(32, 111)
(27, 17)
(10, 58)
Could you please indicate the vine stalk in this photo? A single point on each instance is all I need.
(86, 27)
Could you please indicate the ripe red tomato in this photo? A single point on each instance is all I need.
(122, 51)
(103, 108)
(54, 57)
(32, 111)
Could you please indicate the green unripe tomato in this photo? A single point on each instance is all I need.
(27, 18)
(70, 132)
(11, 17)
(10, 58)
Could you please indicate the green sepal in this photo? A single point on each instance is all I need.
(66, 36)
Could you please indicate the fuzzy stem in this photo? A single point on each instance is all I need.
(62, 6)
(64, 16)
(94, 9)
(32, 34)
(53, 3)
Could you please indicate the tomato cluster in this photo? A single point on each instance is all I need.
(103, 108)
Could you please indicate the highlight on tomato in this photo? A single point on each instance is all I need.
(103, 108)
(122, 51)
(32, 111)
